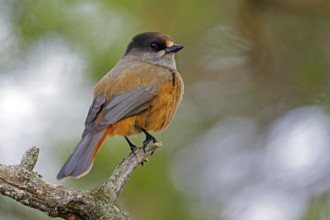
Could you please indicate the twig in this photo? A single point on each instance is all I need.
(114, 185)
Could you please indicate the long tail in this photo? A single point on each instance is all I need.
(81, 160)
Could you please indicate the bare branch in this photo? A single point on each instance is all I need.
(22, 184)
(30, 158)
(114, 185)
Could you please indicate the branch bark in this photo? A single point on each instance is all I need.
(26, 186)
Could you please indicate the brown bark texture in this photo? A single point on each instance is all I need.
(26, 186)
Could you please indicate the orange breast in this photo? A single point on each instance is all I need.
(162, 109)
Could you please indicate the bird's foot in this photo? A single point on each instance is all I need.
(144, 161)
(149, 139)
(132, 146)
(135, 149)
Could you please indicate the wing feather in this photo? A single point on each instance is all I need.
(124, 105)
(94, 110)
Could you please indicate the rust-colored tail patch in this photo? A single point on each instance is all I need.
(99, 144)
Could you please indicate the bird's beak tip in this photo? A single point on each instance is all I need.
(175, 48)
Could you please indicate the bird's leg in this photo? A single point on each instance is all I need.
(149, 139)
(131, 145)
(133, 148)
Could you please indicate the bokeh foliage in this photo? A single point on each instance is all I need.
(260, 58)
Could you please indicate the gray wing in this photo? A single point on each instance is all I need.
(93, 112)
(122, 106)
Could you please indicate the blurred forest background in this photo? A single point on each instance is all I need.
(251, 140)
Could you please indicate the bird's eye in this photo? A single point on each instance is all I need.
(154, 46)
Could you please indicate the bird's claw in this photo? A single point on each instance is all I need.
(149, 139)
(144, 161)
(134, 149)
(132, 146)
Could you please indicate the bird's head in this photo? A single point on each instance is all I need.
(153, 47)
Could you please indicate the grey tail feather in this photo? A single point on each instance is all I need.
(81, 160)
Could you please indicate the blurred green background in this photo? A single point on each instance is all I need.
(251, 140)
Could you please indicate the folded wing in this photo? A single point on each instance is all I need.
(109, 112)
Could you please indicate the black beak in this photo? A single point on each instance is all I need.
(175, 48)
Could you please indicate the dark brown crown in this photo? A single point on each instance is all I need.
(148, 41)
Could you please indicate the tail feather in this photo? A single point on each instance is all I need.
(81, 160)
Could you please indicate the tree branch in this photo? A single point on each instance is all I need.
(22, 184)
(120, 175)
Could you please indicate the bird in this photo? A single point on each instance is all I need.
(141, 93)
